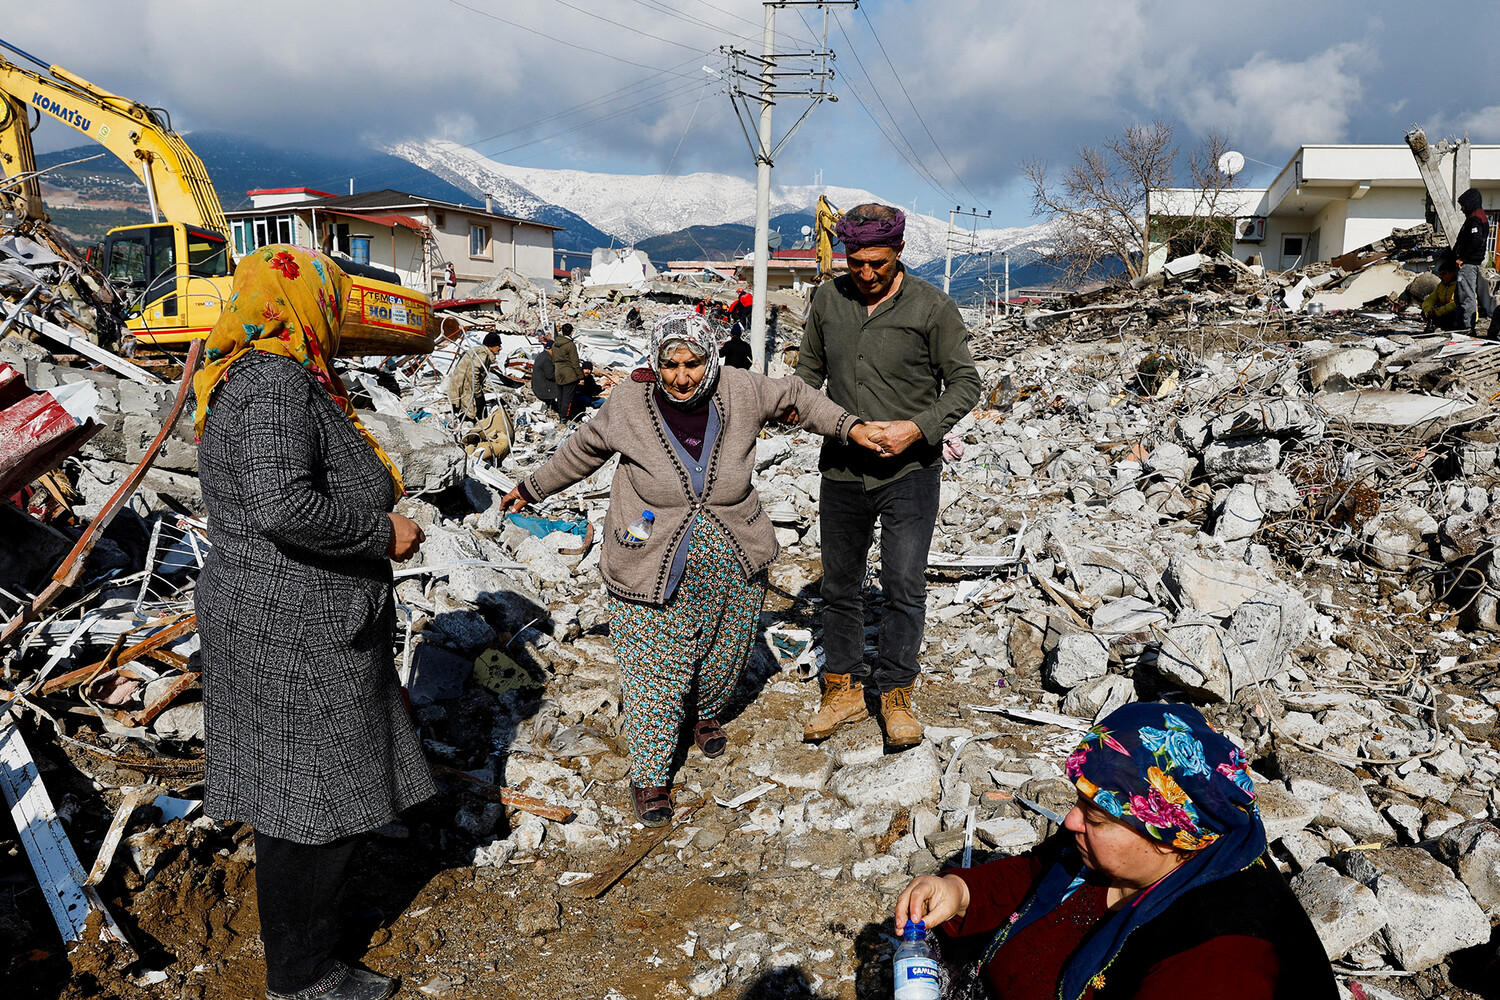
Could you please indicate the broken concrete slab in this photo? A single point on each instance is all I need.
(1429, 912)
(1343, 911)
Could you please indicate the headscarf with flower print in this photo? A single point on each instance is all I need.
(1163, 770)
(289, 301)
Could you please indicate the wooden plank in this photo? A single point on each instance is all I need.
(641, 846)
(499, 793)
(93, 352)
(146, 715)
(58, 871)
(168, 635)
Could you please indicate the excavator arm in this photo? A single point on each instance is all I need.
(177, 184)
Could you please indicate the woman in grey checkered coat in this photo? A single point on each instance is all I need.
(308, 737)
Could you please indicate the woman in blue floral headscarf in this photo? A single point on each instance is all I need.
(1166, 841)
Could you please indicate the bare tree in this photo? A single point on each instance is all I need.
(1102, 205)
(1211, 224)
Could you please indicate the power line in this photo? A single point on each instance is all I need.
(554, 38)
(909, 101)
(914, 160)
(620, 24)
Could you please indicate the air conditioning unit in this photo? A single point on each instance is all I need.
(1251, 230)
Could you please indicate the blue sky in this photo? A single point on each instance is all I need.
(939, 101)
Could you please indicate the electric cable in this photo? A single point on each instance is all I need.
(909, 101)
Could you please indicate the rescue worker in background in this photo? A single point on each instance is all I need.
(633, 319)
(567, 370)
(469, 380)
(450, 281)
(891, 347)
(740, 311)
(735, 352)
(1472, 250)
(1440, 308)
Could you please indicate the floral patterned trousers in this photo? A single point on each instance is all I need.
(703, 632)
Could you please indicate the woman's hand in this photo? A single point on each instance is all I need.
(934, 899)
(406, 537)
(513, 501)
(867, 435)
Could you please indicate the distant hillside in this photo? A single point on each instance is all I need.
(699, 243)
(719, 242)
(238, 165)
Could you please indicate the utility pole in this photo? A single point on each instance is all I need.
(948, 261)
(1005, 256)
(766, 91)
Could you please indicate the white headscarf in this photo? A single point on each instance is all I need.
(686, 327)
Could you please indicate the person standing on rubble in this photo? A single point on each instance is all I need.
(685, 599)
(735, 352)
(1472, 250)
(308, 738)
(469, 380)
(891, 348)
(567, 370)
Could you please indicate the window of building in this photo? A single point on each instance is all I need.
(258, 231)
(479, 241)
(439, 219)
(1293, 251)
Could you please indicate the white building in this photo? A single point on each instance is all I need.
(1329, 200)
(405, 233)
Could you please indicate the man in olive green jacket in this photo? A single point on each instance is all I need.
(894, 351)
(568, 369)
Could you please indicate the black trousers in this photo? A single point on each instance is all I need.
(297, 886)
(567, 393)
(907, 512)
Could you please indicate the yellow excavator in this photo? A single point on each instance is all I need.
(175, 271)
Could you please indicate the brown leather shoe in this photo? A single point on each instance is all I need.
(901, 727)
(653, 804)
(843, 701)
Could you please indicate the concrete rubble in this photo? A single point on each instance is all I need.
(1206, 489)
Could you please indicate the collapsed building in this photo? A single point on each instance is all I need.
(1273, 496)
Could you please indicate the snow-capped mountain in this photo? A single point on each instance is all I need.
(636, 207)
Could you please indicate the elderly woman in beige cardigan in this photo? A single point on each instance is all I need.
(685, 602)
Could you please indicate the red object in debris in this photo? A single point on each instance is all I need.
(36, 433)
(443, 305)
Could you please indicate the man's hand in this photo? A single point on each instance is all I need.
(895, 436)
(513, 501)
(406, 537)
(932, 898)
(791, 417)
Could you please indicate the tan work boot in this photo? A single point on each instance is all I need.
(901, 727)
(843, 701)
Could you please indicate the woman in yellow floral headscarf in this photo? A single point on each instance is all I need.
(307, 738)
(287, 301)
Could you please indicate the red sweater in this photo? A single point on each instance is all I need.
(1229, 967)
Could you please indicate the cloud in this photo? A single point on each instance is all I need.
(612, 84)
(1282, 103)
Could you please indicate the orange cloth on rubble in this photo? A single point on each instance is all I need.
(289, 301)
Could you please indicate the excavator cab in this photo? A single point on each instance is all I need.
(175, 278)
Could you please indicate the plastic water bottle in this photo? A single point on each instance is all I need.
(641, 529)
(916, 969)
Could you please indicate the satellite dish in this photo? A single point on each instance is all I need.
(807, 230)
(773, 240)
(1231, 163)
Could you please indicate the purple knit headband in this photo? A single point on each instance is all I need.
(873, 233)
